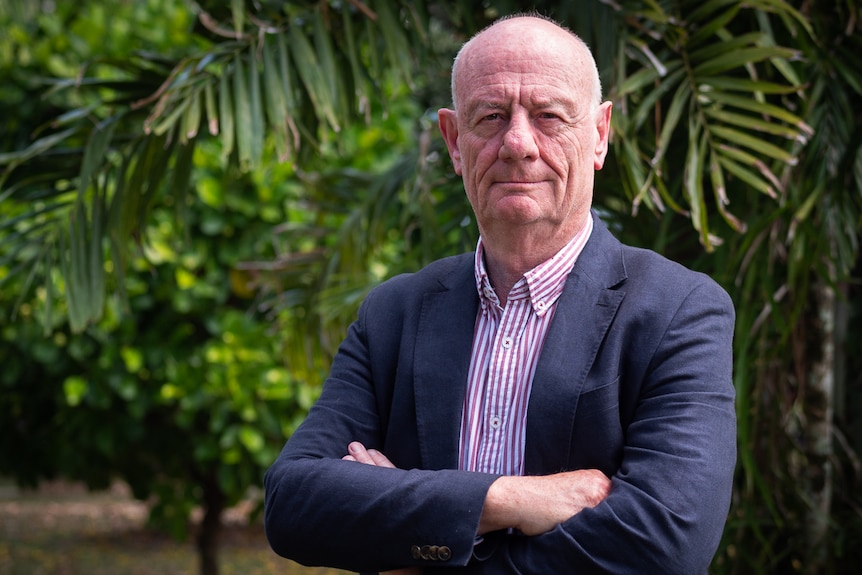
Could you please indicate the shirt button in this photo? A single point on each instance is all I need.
(495, 422)
(507, 342)
(541, 305)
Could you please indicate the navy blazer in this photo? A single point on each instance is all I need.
(634, 379)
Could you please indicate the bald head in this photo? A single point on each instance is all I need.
(536, 37)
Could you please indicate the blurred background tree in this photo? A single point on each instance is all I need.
(196, 196)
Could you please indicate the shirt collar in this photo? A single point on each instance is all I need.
(544, 283)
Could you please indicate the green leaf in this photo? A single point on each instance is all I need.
(739, 58)
(237, 8)
(171, 120)
(37, 148)
(94, 154)
(75, 388)
(375, 52)
(754, 123)
(192, 122)
(285, 73)
(756, 107)
(160, 151)
(329, 71)
(48, 311)
(276, 103)
(71, 116)
(285, 76)
(77, 317)
(758, 145)
(210, 108)
(251, 438)
(96, 263)
(747, 176)
(726, 46)
(666, 196)
(359, 80)
(802, 213)
(671, 120)
(34, 215)
(226, 115)
(180, 181)
(35, 265)
(242, 108)
(715, 23)
(255, 100)
(115, 224)
(646, 108)
(397, 47)
(720, 191)
(725, 83)
(308, 66)
(693, 179)
(638, 81)
(149, 168)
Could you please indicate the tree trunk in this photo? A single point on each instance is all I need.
(210, 527)
(819, 411)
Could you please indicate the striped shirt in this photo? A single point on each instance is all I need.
(506, 347)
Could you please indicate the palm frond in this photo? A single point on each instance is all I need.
(728, 87)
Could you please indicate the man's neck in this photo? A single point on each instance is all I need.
(509, 255)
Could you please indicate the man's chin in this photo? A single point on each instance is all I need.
(518, 209)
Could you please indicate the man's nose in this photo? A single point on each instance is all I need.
(519, 139)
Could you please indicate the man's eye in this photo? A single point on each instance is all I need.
(491, 117)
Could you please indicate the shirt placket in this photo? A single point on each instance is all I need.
(502, 385)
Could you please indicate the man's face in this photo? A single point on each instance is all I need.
(527, 136)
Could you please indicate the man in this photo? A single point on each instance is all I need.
(555, 403)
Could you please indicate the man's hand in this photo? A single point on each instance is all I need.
(536, 504)
(357, 452)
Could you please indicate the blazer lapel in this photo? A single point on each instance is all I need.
(582, 317)
(444, 339)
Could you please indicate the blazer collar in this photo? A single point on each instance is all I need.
(590, 300)
(444, 339)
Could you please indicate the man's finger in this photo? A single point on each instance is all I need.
(357, 452)
(379, 459)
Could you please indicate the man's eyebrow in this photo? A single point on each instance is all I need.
(483, 105)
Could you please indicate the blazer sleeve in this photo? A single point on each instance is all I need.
(321, 510)
(671, 492)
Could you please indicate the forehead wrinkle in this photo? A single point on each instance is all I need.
(515, 40)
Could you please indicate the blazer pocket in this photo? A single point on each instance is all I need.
(600, 399)
(597, 434)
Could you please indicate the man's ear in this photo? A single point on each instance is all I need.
(603, 133)
(447, 120)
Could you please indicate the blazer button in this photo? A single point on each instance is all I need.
(444, 553)
(433, 553)
(416, 552)
(425, 552)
